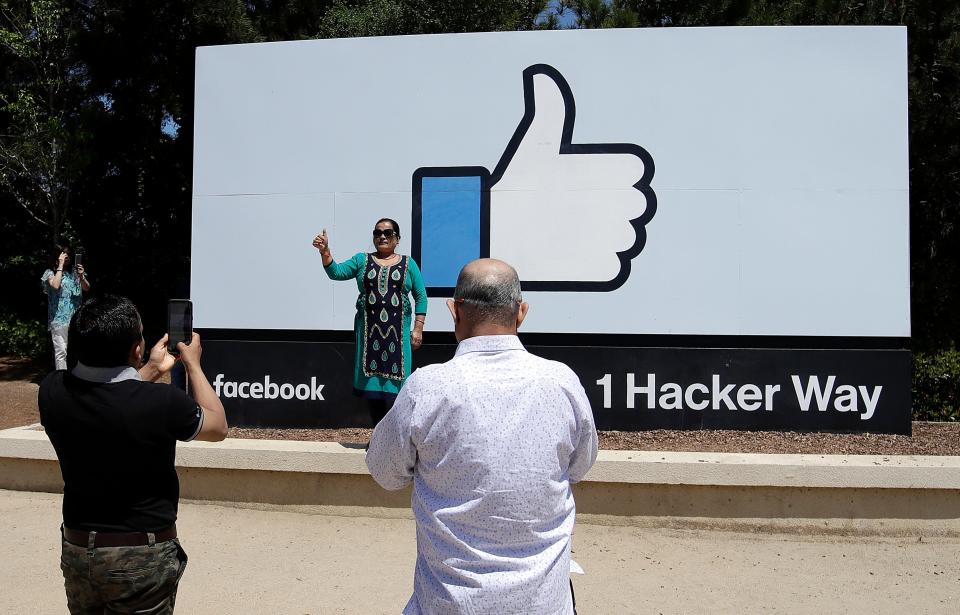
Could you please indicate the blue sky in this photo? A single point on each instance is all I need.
(567, 19)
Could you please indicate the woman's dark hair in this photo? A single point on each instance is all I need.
(103, 330)
(396, 227)
(55, 254)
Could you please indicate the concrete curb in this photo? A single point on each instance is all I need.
(858, 493)
(754, 470)
(639, 467)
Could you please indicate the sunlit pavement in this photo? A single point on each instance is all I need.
(262, 561)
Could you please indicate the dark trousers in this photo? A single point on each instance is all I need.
(114, 580)
(378, 409)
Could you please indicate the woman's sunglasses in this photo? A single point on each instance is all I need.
(388, 233)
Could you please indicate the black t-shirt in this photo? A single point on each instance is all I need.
(117, 444)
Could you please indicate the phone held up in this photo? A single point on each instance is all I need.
(179, 323)
(78, 259)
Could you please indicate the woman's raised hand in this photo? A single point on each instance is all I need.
(321, 242)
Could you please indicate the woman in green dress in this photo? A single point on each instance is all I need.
(386, 335)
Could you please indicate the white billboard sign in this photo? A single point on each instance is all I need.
(708, 181)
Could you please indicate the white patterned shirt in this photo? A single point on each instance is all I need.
(492, 439)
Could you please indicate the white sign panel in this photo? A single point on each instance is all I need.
(713, 181)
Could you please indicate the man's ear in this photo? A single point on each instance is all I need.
(136, 353)
(522, 312)
(452, 306)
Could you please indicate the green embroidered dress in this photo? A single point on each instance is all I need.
(381, 326)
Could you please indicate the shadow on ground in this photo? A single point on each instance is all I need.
(18, 368)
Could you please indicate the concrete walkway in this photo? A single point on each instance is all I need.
(271, 562)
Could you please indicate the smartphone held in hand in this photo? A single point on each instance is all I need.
(179, 323)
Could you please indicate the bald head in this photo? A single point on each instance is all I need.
(488, 290)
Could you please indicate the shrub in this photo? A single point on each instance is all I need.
(23, 338)
(936, 386)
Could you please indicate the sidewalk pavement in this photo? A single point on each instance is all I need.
(271, 562)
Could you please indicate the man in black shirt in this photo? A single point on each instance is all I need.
(115, 432)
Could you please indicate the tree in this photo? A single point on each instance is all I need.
(282, 20)
(599, 13)
(38, 155)
(132, 204)
(392, 17)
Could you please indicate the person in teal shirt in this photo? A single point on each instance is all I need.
(385, 335)
(64, 290)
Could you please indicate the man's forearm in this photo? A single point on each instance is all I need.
(202, 391)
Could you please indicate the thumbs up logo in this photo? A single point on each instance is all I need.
(569, 216)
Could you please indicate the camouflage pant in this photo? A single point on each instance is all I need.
(113, 580)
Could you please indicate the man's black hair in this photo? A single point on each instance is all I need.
(103, 330)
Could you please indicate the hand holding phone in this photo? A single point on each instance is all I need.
(179, 324)
(190, 352)
(159, 361)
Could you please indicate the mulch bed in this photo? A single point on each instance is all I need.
(18, 406)
(18, 391)
(927, 439)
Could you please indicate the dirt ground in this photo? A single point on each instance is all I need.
(18, 406)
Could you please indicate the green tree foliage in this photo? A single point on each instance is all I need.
(22, 337)
(133, 203)
(41, 100)
(284, 20)
(124, 82)
(390, 17)
(600, 13)
(936, 386)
